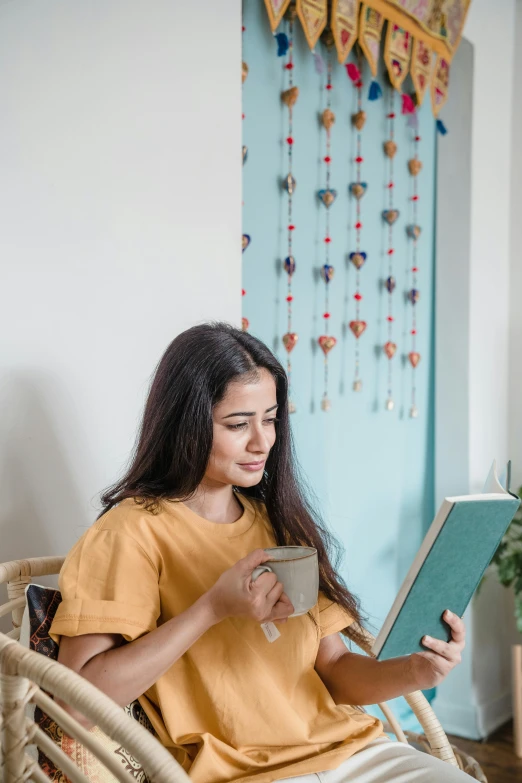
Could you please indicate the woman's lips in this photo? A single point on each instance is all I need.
(252, 466)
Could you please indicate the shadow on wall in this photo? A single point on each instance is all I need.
(40, 497)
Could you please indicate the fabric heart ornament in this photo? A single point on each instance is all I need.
(289, 184)
(390, 349)
(390, 216)
(390, 284)
(358, 258)
(414, 358)
(357, 327)
(326, 343)
(327, 119)
(289, 97)
(289, 265)
(390, 148)
(413, 231)
(244, 72)
(327, 272)
(414, 166)
(245, 323)
(359, 119)
(327, 197)
(358, 189)
(245, 241)
(245, 154)
(290, 340)
(414, 295)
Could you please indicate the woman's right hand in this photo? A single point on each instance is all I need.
(235, 595)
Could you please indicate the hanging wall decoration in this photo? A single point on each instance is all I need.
(420, 69)
(245, 241)
(414, 232)
(289, 97)
(372, 23)
(357, 190)
(344, 24)
(276, 10)
(434, 25)
(440, 84)
(397, 53)
(390, 216)
(313, 15)
(327, 197)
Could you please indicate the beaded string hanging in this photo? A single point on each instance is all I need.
(245, 240)
(414, 232)
(327, 197)
(289, 97)
(390, 215)
(357, 189)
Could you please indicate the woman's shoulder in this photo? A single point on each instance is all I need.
(132, 517)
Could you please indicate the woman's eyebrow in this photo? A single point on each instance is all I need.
(248, 413)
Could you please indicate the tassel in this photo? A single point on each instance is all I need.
(413, 120)
(353, 72)
(441, 128)
(282, 44)
(375, 91)
(319, 62)
(408, 107)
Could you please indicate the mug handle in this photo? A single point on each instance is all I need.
(260, 570)
(269, 629)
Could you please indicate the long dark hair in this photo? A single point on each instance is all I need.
(175, 440)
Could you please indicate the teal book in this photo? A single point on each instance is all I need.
(447, 569)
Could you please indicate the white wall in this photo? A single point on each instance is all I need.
(476, 697)
(120, 220)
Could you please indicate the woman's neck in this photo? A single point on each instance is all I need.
(217, 504)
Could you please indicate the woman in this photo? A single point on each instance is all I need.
(158, 601)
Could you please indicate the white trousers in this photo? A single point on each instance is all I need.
(387, 761)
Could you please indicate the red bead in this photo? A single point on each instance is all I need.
(414, 269)
(242, 116)
(328, 86)
(414, 198)
(290, 140)
(327, 240)
(357, 296)
(417, 138)
(289, 66)
(391, 251)
(359, 85)
(414, 331)
(358, 225)
(326, 315)
(390, 318)
(291, 227)
(358, 159)
(327, 159)
(243, 292)
(391, 185)
(243, 28)
(391, 116)
(290, 298)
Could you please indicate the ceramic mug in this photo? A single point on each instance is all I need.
(298, 569)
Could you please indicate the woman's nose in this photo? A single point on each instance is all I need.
(259, 440)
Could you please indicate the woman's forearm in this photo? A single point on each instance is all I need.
(126, 672)
(359, 679)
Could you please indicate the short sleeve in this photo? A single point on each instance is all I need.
(331, 618)
(108, 585)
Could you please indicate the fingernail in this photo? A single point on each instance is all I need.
(448, 613)
(427, 639)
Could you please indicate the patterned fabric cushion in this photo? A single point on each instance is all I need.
(41, 606)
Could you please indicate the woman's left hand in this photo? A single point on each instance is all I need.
(430, 668)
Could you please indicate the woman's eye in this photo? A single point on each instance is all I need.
(243, 424)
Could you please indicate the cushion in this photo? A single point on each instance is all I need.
(41, 606)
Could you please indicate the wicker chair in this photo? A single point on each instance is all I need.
(20, 665)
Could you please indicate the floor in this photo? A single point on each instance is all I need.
(496, 756)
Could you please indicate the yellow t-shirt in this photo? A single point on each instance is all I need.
(234, 707)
